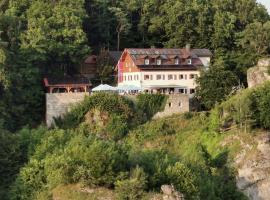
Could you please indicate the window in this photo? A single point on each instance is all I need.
(181, 91)
(125, 78)
(131, 78)
(189, 61)
(185, 77)
(192, 91)
(159, 77)
(180, 104)
(176, 61)
(181, 76)
(191, 76)
(146, 77)
(170, 104)
(158, 61)
(151, 77)
(146, 61)
(170, 77)
(175, 77)
(163, 77)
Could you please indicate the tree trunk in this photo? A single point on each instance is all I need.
(118, 41)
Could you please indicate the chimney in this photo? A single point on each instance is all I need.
(188, 47)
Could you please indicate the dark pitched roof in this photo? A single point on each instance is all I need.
(115, 55)
(67, 80)
(167, 55)
(202, 52)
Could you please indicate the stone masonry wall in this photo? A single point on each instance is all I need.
(176, 103)
(57, 104)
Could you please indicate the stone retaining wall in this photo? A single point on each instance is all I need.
(176, 103)
(57, 104)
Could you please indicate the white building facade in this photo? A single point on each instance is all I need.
(162, 70)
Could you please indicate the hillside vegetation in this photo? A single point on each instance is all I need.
(129, 156)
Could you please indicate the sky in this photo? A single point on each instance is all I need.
(266, 3)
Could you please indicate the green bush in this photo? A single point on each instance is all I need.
(10, 160)
(105, 102)
(117, 127)
(261, 112)
(132, 188)
(66, 157)
(183, 179)
(154, 163)
(150, 104)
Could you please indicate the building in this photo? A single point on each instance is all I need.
(67, 84)
(89, 68)
(162, 70)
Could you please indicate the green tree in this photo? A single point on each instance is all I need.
(123, 25)
(256, 37)
(105, 66)
(215, 84)
(59, 41)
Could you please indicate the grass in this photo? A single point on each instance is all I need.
(77, 192)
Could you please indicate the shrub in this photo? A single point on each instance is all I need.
(150, 104)
(262, 102)
(105, 102)
(183, 180)
(156, 169)
(132, 188)
(117, 127)
(10, 160)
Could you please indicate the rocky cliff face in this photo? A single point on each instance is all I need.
(254, 169)
(259, 74)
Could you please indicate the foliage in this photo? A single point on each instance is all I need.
(215, 84)
(150, 104)
(256, 38)
(10, 160)
(111, 103)
(183, 179)
(67, 157)
(132, 188)
(105, 66)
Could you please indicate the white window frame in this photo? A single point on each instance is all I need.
(146, 61)
(189, 61)
(176, 61)
(159, 61)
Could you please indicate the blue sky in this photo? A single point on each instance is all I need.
(266, 3)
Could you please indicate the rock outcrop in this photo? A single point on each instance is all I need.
(169, 193)
(254, 169)
(259, 74)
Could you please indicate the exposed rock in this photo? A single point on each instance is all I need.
(258, 74)
(254, 173)
(169, 193)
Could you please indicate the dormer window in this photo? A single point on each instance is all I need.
(189, 61)
(158, 61)
(146, 61)
(176, 61)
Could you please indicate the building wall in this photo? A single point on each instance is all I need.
(57, 104)
(138, 79)
(176, 104)
(187, 81)
(205, 61)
